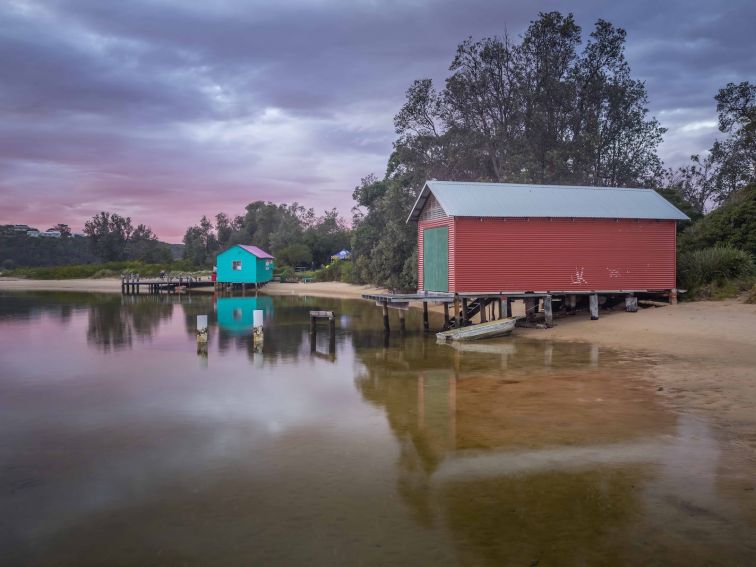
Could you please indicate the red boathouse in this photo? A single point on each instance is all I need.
(509, 238)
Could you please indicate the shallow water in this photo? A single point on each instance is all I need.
(121, 444)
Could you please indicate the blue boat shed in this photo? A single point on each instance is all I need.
(244, 264)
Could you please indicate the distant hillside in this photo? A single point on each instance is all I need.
(19, 250)
(177, 250)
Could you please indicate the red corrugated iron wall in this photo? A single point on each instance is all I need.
(506, 254)
(422, 225)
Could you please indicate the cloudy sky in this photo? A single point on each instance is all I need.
(165, 110)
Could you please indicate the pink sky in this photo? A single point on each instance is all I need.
(166, 111)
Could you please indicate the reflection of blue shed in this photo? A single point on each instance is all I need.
(244, 264)
(235, 313)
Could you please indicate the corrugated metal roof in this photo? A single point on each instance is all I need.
(467, 199)
(259, 252)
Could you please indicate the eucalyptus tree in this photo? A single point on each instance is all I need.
(537, 110)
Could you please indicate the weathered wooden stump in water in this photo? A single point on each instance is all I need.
(593, 304)
(547, 310)
(314, 316)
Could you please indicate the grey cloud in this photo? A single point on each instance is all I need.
(147, 98)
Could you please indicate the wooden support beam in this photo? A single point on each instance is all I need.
(447, 323)
(593, 304)
(386, 326)
(673, 297)
(547, 310)
(332, 335)
(501, 305)
(402, 322)
(530, 309)
(426, 326)
(631, 304)
(571, 304)
(508, 312)
(464, 312)
(482, 303)
(457, 315)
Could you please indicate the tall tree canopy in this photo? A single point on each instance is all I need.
(293, 234)
(535, 111)
(730, 164)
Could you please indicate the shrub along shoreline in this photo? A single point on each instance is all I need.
(104, 270)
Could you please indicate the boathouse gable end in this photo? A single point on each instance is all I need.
(584, 239)
(244, 264)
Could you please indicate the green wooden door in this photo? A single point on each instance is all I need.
(436, 259)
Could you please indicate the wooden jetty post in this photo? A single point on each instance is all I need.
(201, 328)
(386, 325)
(447, 323)
(501, 305)
(631, 303)
(402, 322)
(464, 312)
(482, 303)
(257, 328)
(593, 304)
(531, 306)
(547, 311)
(457, 315)
(673, 297)
(571, 304)
(426, 325)
(314, 316)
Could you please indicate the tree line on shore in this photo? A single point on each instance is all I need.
(543, 108)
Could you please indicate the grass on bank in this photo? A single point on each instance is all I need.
(716, 273)
(336, 271)
(106, 270)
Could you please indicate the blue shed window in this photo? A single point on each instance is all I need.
(236, 265)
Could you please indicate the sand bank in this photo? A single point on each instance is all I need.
(104, 285)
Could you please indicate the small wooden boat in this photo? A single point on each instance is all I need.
(480, 331)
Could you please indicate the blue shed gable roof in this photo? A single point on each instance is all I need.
(254, 250)
(468, 199)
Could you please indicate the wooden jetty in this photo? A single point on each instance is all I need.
(541, 307)
(134, 285)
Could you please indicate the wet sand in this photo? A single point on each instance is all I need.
(705, 353)
(104, 285)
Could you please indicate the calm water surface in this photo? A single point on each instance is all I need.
(121, 444)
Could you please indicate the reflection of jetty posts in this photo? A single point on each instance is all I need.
(460, 308)
(314, 316)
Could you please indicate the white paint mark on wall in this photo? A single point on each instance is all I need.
(577, 277)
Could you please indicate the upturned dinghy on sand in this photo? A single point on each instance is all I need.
(480, 331)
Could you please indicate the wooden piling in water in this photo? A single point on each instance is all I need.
(426, 325)
(593, 305)
(386, 326)
(530, 309)
(547, 310)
